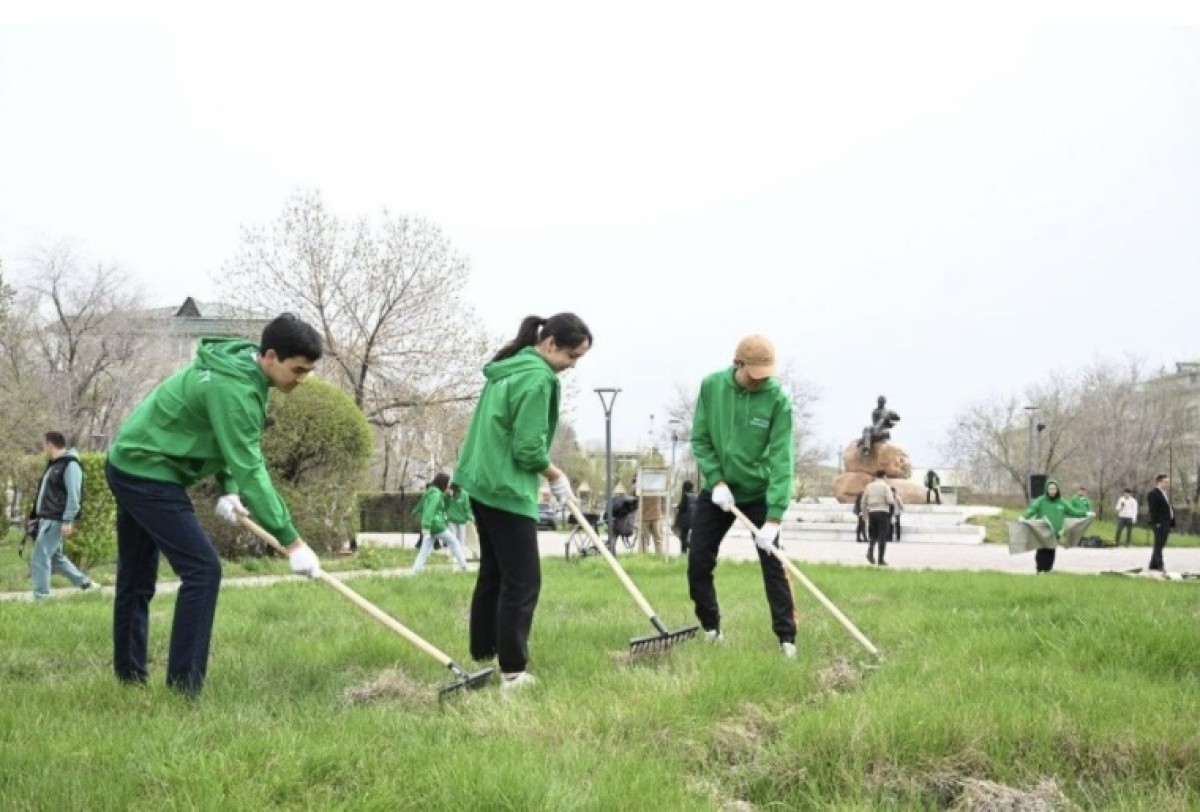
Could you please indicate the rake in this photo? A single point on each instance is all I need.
(811, 587)
(651, 643)
(462, 677)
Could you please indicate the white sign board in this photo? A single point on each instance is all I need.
(653, 481)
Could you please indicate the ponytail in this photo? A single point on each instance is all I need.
(567, 330)
(527, 336)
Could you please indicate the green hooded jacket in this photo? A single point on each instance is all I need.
(508, 444)
(207, 419)
(1054, 510)
(744, 439)
(458, 508)
(433, 511)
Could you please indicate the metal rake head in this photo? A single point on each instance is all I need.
(657, 643)
(465, 679)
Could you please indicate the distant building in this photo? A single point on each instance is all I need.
(194, 320)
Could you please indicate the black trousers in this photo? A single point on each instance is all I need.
(507, 589)
(157, 516)
(933, 492)
(1161, 531)
(1127, 526)
(860, 530)
(879, 522)
(1044, 558)
(709, 526)
(684, 534)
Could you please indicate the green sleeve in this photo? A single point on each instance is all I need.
(780, 461)
(531, 428)
(238, 425)
(1075, 510)
(702, 444)
(1034, 510)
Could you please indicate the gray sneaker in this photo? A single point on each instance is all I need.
(714, 636)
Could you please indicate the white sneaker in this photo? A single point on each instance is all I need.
(788, 649)
(518, 680)
(714, 636)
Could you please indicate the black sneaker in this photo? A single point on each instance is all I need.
(86, 585)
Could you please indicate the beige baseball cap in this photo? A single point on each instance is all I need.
(758, 354)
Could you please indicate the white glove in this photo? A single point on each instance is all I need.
(766, 535)
(722, 497)
(229, 507)
(305, 562)
(561, 488)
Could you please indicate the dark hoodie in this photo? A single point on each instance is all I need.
(1054, 508)
(207, 419)
(508, 443)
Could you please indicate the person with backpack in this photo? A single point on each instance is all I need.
(436, 525)
(933, 486)
(56, 507)
(206, 420)
(684, 512)
(503, 458)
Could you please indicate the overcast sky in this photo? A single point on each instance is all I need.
(937, 215)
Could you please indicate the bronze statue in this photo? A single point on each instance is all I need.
(882, 420)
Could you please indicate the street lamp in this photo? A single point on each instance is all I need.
(675, 424)
(1030, 411)
(608, 460)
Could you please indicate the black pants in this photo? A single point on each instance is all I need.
(1127, 526)
(1161, 531)
(934, 492)
(878, 522)
(860, 531)
(896, 528)
(709, 526)
(155, 517)
(684, 533)
(1044, 558)
(507, 589)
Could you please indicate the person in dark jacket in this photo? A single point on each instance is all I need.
(860, 529)
(1162, 518)
(683, 514)
(57, 505)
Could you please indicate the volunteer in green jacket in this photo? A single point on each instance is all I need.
(506, 451)
(458, 513)
(1081, 501)
(205, 420)
(742, 442)
(1052, 507)
(436, 525)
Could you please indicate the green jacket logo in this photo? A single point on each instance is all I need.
(760, 422)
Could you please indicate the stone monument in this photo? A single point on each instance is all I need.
(875, 451)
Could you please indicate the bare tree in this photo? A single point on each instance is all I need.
(386, 295)
(97, 353)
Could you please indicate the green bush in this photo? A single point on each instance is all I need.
(94, 540)
(317, 445)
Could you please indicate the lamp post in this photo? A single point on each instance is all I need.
(1031, 411)
(607, 403)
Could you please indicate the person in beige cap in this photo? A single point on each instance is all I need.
(742, 442)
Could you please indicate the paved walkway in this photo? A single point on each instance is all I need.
(738, 547)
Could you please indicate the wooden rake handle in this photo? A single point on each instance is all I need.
(811, 587)
(358, 600)
(642, 603)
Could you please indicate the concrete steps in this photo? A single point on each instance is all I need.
(829, 520)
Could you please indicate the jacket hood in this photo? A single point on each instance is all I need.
(235, 357)
(527, 360)
(1057, 487)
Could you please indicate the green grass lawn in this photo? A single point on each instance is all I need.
(1104, 528)
(1079, 686)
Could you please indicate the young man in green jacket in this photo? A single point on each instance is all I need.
(742, 441)
(205, 420)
